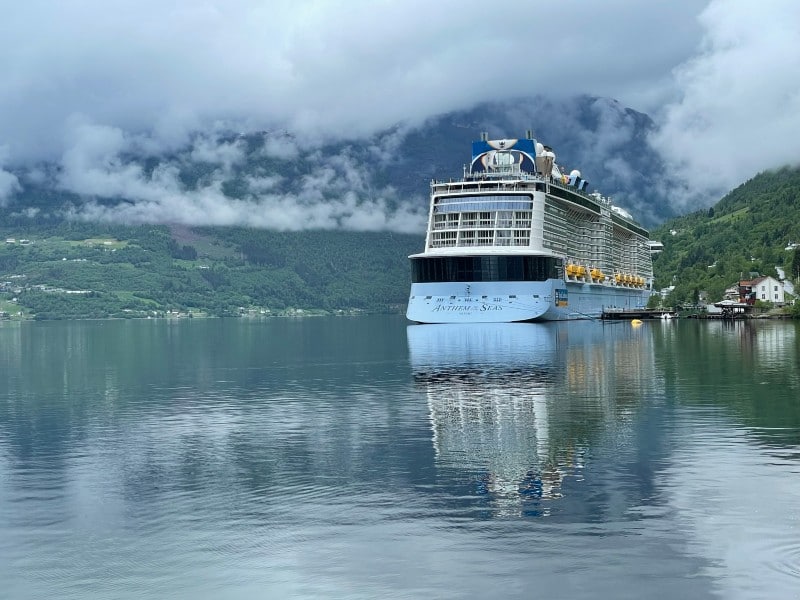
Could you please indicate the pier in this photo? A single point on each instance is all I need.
(626, 314)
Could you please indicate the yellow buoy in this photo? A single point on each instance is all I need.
(636, 322)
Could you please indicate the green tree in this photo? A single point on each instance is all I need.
(795, 269)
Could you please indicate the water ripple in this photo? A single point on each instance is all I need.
(276, 461)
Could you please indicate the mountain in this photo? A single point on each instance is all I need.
(604, 140)
(272, 180)
(238, 222)
(752, 229)
(93, 270)
(124, 270)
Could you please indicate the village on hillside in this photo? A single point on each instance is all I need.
(757, 293)
(752, 294)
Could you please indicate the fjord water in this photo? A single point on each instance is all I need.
(367, 458)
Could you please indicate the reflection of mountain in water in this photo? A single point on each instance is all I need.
(519, 403)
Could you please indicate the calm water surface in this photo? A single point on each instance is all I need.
(368, 458)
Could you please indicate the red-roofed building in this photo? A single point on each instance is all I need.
(766, 289)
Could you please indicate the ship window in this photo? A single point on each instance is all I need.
(443, 238)
(503, 238)
(469, 220)
(505, 219)
(456, 204)
(485, 237)
(467, 238)
(483, 268)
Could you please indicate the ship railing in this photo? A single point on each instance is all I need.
(520, 181)
(515, 184)
(594, 197)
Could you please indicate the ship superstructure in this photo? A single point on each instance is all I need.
(517, 238)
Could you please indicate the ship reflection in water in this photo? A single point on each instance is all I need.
(517, 406)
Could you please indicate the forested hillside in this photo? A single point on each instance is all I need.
(80, 270)
(67, 269)
(81, 257)
(749, 230)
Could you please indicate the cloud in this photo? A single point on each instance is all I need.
(738, 112)
(324, 69)
(206, 149)
(208, 206)
(88, 83)
(9, 183)
(336, 194)
(281, 145)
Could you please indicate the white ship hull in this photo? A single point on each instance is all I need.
(517, 301)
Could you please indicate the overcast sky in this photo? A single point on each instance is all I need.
(83, 81)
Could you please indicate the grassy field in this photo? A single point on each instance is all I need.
(729, 217)
(9, 307)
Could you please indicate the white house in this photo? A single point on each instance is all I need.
(767, 289)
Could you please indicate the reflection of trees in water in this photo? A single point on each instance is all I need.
(166, 407)
(749, 367)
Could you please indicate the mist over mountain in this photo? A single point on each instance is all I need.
(277, 180)
(604, 140)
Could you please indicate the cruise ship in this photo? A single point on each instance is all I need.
(518, 238)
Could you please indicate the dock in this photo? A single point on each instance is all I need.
(626, 314)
